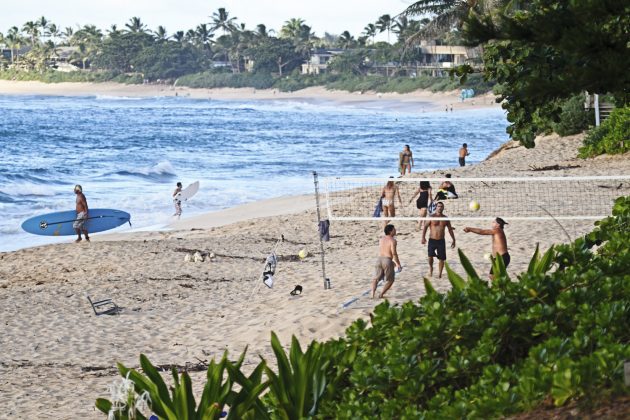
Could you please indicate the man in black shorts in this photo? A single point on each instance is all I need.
(437, 243)
(499, 241)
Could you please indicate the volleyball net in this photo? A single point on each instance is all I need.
(524, 198)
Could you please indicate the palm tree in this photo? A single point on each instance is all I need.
(88, 39)
(346, 41)
(262, 31)
(67, 34)
(384, 23)
(293, 28)
(14, 40)
(370, 31)
(204, 35)
(53, 32)
(135, 25)
(31, 29)
(179, 36)
(448, 14)
(161, 34)
(222, 20)
(113, 30)
(43, 23)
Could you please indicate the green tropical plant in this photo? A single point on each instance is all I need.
(221, 20)
(140, 393)
(295, 392)
(612, 136)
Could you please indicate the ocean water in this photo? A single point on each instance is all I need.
(128, 153)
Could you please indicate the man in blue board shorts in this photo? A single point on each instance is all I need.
(437, 243)
(82, 214)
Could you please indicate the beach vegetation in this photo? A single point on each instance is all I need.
(611, 137)
(178, 401)
(573, 118)
(555, 334)
(545, 51)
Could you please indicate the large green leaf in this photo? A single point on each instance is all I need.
(456, 280)
(470, 270)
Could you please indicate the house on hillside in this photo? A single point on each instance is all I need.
(62, 57)
(318, 62)
(433, 55)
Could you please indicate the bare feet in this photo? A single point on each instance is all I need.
(430, 273)
(87, 239)
(78, 240)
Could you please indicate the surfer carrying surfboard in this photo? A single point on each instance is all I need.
(177, 202)
(82, 214)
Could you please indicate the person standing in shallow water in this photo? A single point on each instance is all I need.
(463, 152)
(177, 202)
(405, 160)
(82, 214)
(387, 262)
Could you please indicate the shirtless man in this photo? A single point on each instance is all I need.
(82, 214)
(463, 152)
(390, 191)
(387, 262)
(437, 243)
(499, 241)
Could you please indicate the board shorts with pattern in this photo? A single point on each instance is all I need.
(384, 269)
(80, 222)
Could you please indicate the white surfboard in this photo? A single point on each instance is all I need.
(188, 192)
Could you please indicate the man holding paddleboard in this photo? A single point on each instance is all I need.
(82, 214)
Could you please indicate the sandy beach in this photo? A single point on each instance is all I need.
(418, 101)
(58, 357)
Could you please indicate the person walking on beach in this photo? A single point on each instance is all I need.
(425, 197)
(390, 191)
(82, 214)
(437, 243)
(387, 263)
(177, 202)
(463, 152)
(499, 241)
(405, 160)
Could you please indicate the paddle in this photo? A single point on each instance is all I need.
(44, 224)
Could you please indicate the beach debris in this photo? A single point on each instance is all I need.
(553, 167)
(197, 257)
(187, 258)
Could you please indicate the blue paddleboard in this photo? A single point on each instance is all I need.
(60, 223)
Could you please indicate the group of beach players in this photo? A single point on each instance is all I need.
(388, 262)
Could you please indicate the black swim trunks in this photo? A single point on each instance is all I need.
(462, 161)
(437, 248)
(506, 260)
(423, 200)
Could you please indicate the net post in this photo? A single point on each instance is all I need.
(321, 242)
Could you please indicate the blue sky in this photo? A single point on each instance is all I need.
(333, 16)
